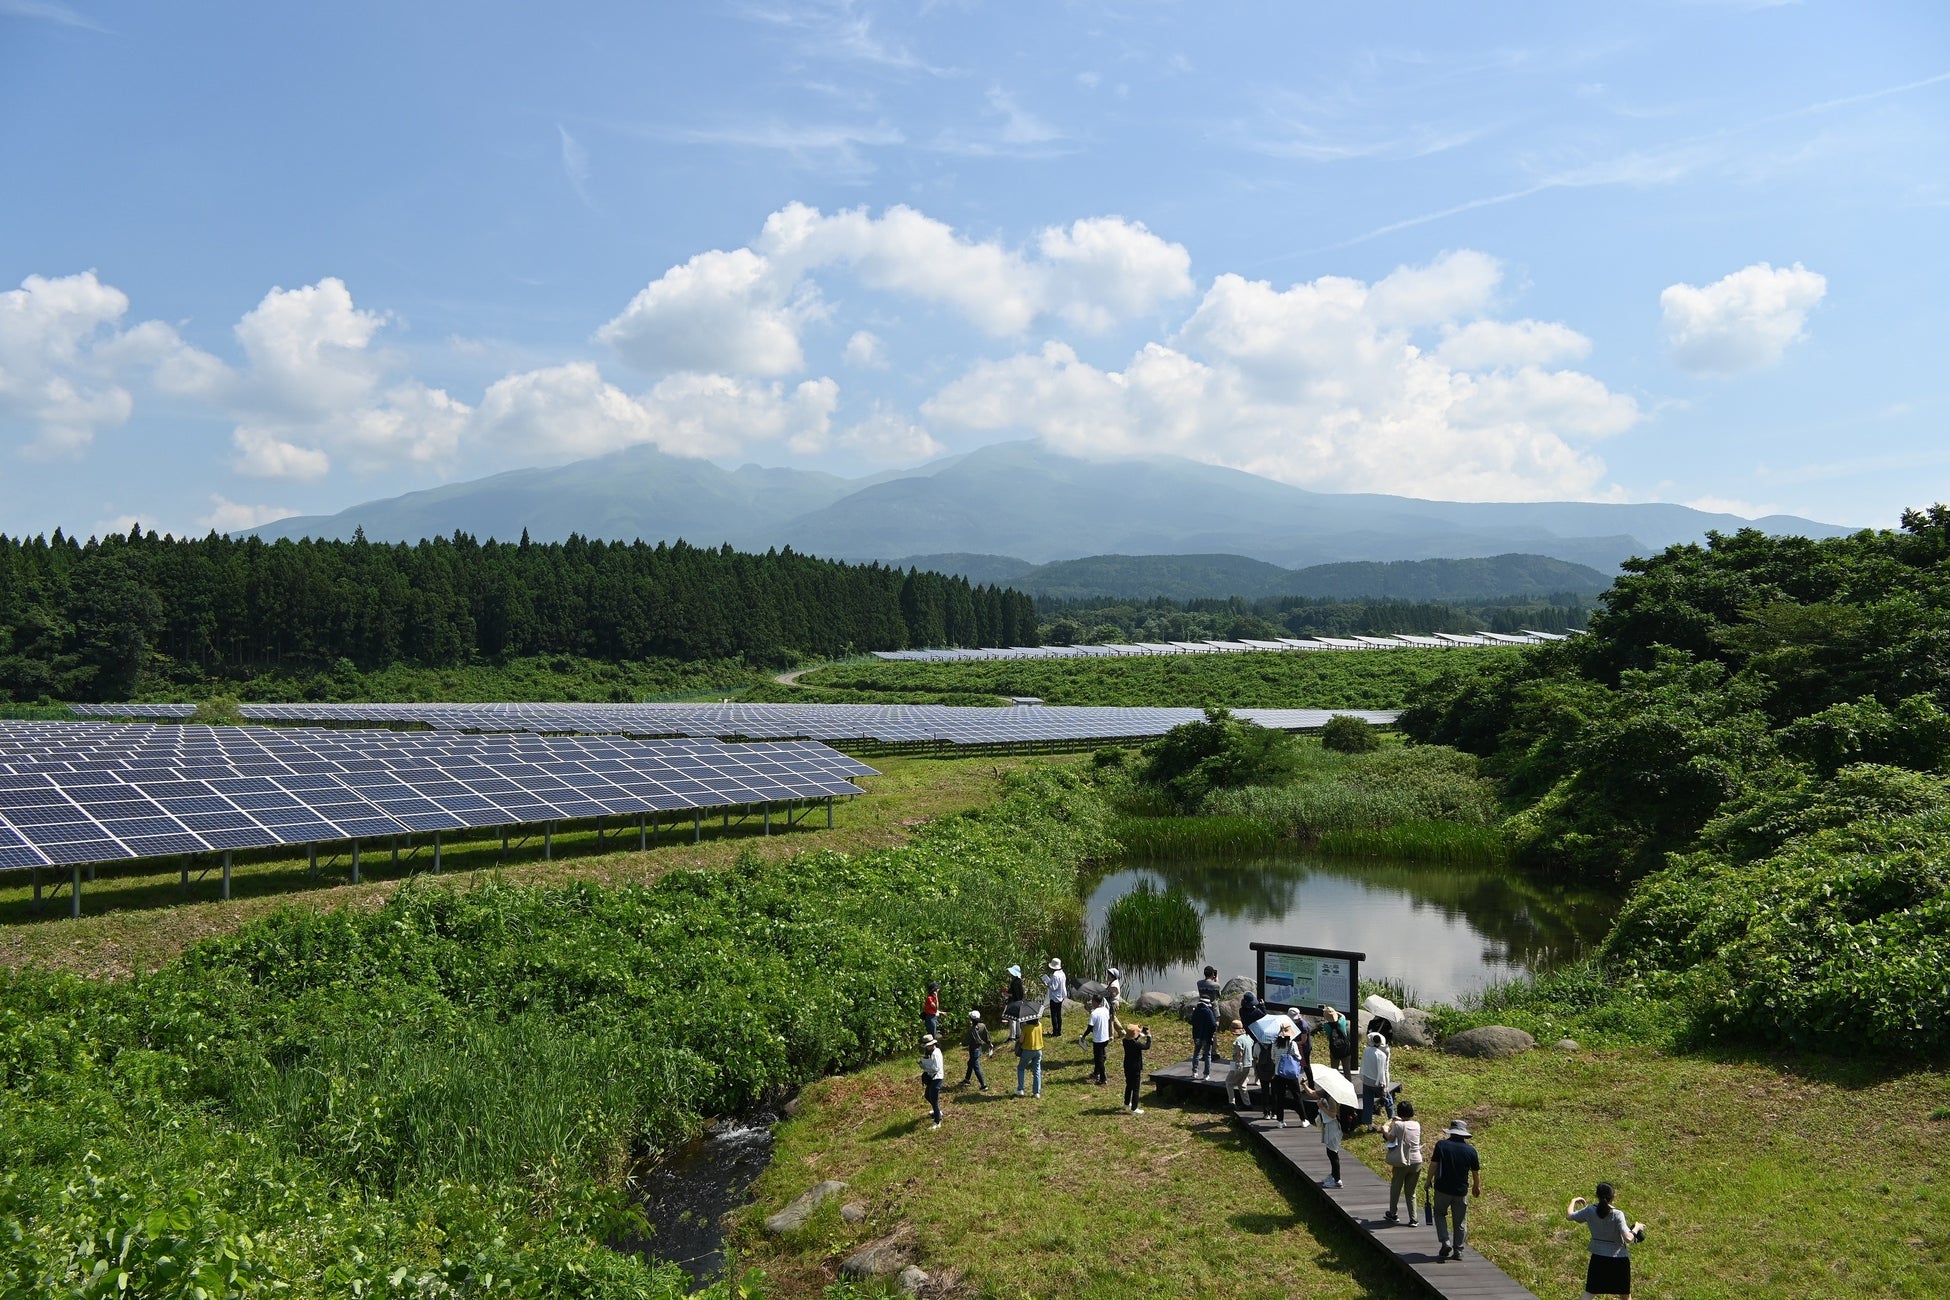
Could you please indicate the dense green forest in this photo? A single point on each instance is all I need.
(1756, 732)
(112, 618)
(1093, 622)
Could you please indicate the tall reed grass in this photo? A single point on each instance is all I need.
(1420, 841)
(1180, 837)
(1153, 927)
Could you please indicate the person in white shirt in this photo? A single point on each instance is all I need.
(1056, 987)
(1610, 1269)
(1099, 1039)
(1404, 1135)
(1113, 993)
(1375, 1080)
(932, 1068)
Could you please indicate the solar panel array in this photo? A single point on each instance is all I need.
(80, 792)
(874, 723)
(1441, 640)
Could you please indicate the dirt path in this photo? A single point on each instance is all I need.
(791, 678)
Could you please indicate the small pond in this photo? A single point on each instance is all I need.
(1441, 930)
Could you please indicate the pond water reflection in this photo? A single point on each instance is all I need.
(1442, 930)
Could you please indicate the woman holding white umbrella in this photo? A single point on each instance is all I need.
(1333, 1092)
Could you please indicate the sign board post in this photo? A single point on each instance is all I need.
(1292, 978)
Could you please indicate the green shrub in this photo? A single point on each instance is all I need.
(1219, 752)
(1349, 735)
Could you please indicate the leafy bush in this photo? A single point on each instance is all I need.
(1349, 735)
(1218, 753)
(1369, 792)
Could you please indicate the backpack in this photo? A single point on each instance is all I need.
(1336, 1037)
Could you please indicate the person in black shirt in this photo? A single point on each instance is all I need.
(1456, 1173)
(1137, 1041)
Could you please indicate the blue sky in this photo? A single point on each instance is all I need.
(257, 260)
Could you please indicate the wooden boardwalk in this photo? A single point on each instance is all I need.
(1363, 1199)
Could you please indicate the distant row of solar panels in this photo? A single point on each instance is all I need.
(82, 792)
(838, 723)
(1404, 641)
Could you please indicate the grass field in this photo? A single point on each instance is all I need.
(136, 917)
(1273, 679)
(1754, 1178)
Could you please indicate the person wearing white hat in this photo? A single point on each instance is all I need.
(1056, 986)
(977, 1041)
(1456, 1173)
(1016, 994)
(932, 1068)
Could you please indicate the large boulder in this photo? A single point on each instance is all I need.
(1152, 1003)
(1228, 1012)
(794, 1216)
(881, 1257)
(1489, 1041)
(1236, 985)
(1414, 1029)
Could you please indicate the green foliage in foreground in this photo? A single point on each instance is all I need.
(441, 1097)
(1381, 679)
(1757, 732)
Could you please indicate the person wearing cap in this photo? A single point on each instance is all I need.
(977, 1041)
(1375, 1080)
(932, 1068)
(1056, 987)
(1610, 1270)
(1205, 1032)
(1099, 1032)
(1456, 1172)
(1016, 994)
(1244, 1049)
(1029, 1056)
(1137, 1041)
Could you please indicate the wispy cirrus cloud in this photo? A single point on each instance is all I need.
(47, 12)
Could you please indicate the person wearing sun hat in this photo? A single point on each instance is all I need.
(932, 1068)
(1016, 994)
(1456, 1173)
(1056, 987)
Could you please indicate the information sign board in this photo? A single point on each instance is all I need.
(1306, 979)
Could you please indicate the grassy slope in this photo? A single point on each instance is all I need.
(1754, 1180)
(1273, 679)
(133, 917)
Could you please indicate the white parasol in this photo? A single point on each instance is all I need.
(1335, 1085)
(1376, 1005)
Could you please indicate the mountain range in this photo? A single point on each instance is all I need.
(1021, 500)
(1192, 577)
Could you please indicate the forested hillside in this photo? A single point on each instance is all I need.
(1757, 731)
(102, 620)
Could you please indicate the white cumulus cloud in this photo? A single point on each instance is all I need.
(890, 438)
(865, 349)
(1743, 321)
(315, 387)
(67, 366)
(1328, 384)
(744, 311)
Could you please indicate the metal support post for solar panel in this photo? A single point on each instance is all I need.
(697, 830)
(91, 873)
(226, 875)
(184, 888)
(768, 816)
(74, 891)
(37, 888)
(829, 812)
(436, 853)
(395, 840)
(642, 833)
(355, 862)
(548, 841)
(311, 862)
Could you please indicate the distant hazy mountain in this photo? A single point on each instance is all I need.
(1018, 500)
(1191, 577)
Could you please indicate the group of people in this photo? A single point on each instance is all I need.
(1272, 1050)
(1023, 1018)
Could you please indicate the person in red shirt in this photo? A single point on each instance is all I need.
(931, 1009)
